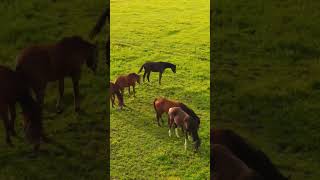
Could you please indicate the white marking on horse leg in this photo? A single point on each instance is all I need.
(177, 133)
(185, 144)
(169, 132)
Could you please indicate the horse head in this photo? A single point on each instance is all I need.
(32, 124)
(173, 68)
(92, 57)
(138, 78)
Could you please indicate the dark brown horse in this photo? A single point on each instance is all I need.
(40, 64)
(251, 156)
(127, 81)
(115, 91)
(156, 67)
(226, 166)
(179, 118)
(162, 105)
(12, 90)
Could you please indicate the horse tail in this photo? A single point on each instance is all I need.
(154, 105)
(100, 23)
(191, 113)
(141, 68)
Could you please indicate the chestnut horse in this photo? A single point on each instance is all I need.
(251, 156)
(127, 81)
(156, 67)
(40, 64)
(179, 118)
(226, 166)
(12, 90)
(162, 105)
(115, 91)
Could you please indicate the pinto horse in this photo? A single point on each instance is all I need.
(115, 91)
(251, 156)
(179, 118)
(127, 81)
(40, 64)
(156, 67)
(226, 166)
(162, 105)
(12, 90)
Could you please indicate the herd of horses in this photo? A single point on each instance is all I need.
(232, 157)
(179, 115)
(36, 66)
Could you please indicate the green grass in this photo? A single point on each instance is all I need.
(173, 31)
(79, 151)
(266, 79)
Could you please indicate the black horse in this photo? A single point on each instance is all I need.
(156, 67)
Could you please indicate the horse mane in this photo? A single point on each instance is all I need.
(191, 113)
(253, 157)
(100, 23)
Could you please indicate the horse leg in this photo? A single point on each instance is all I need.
(61, 92)
(75, 82)
(40, 95)
(176, 130)
(160, 76)
(12, 109)
(148, 76)
(112, 99)
(5, 116)
(185, 140)
(144, 75)
(134, 91)
(129, 90)
(170, 125)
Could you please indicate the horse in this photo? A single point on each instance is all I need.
(179, 118)
(127, 81)
(12, 90)
(253, 157)
(156, 67)
(226, 166)
(40, 64)
(162, 105)
(115, 91)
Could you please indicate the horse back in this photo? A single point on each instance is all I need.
(253, 157)
(163, 105)
(227, 165)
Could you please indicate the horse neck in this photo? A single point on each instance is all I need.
(168, 65)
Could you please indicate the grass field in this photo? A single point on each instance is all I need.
(266, 79)
(79, 148)
(154, 30)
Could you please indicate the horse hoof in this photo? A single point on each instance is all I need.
(59, 111)
(77, 110)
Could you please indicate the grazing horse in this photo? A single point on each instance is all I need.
(12, 90)
(254, 158)
(115, 91)
(127, 81)
(162, 105)
(226, 166)
(179, 118)
(156, 67)
(40, 64)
